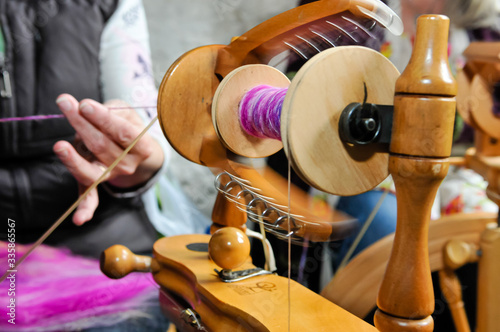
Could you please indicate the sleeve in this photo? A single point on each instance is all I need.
(126, 73)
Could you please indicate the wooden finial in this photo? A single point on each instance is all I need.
(229, 248)
(117, 261)
(423, 129)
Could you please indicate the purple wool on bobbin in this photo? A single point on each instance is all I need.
(260, 111)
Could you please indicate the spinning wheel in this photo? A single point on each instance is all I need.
(184, 105)
(417, 158)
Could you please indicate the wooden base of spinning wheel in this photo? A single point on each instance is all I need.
(188, 281)
(193, 297)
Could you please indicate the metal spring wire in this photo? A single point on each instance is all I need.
(249, 191)
(268, 208)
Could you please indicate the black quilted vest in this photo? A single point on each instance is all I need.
(52, 47)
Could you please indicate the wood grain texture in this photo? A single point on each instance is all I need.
(184, 105)
(424, 110)
(256, 304)
(252, 47)
(184, 108)
(404, 294)
(428, 71)
(310, 119)
(355, 288)
(421, 126)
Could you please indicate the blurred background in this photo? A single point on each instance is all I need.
(177, 26)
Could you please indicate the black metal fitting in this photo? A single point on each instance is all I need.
(362, 124)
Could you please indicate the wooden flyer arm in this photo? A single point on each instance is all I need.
(251, 47)
(424, 108)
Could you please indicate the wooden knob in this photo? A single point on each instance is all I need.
(117, 261)
(458, 253)
(229, 247)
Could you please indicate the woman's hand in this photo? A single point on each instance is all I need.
(102, 134)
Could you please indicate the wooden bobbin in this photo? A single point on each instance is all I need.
(318, 94)
(225, 114)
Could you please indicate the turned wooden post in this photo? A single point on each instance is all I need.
(424, 108)
(455, 255)
(488, 304)
(227, 213)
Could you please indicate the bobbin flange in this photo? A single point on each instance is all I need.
(184, 101)
(225, 109)
(316, 97)
(475, 104)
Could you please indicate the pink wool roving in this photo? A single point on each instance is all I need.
(54, 290)
(260, 111)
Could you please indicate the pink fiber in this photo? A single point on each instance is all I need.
(260, 111)
(55, 289)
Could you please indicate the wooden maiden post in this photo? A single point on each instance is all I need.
(424, 108)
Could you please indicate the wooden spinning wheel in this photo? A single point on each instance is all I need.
(193, 295)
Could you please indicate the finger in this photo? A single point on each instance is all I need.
(85, 172)
(122, 126)
(85, 211)
(124, 110)
(103, 148)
